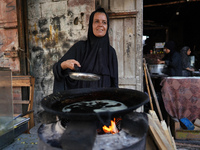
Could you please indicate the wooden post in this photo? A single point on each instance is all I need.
(147, 84)
(154, 93)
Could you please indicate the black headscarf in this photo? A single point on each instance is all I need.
(185, 57)
(172, 60)
(95, 55)
(171, 46)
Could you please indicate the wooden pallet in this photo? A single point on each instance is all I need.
(25, 81)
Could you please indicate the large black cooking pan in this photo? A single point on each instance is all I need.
(54, 103)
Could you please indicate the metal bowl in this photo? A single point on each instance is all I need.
(156, 69)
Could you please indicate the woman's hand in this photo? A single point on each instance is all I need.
(160, 61)
(69, 64)
(190, 69)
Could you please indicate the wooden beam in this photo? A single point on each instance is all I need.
(21, 81)
(155, 28)
(21, 102)
(121, 15)
(170, 3)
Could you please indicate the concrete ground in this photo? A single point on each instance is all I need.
(30, 142)
(187, 148)
(25, 141)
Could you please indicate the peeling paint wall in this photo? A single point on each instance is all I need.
(9, 36)
(9, 44)
(53, 26)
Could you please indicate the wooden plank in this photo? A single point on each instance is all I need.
(172, 139)
(164, 126)
(117, 5)
(182, 134)
(129, 48)
(127, 81)
(156, 138)
(122, 15)
(21, 81)
(138, 27)
(158, 133)
(25, 81)
(125, 33)
(31, 93)
(116, 37)
(21, 102)
(154, 94)
(150, 144)
(197, 122)
(167, 3)
(30, 107)
(147, 84)
(188, 134)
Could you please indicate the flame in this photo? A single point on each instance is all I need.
(111, 129)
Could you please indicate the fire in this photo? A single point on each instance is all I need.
(111, 129)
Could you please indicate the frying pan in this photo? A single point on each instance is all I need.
(54, 103)
(83, 76)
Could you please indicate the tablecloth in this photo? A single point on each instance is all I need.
(181, 96)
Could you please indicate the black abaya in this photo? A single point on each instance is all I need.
(95, 55)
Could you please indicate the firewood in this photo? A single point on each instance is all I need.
(160, 133)
(157, 134)
(164, 126)
(157, 139)
(197, 122)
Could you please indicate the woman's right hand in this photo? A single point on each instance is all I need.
(160, 61)
(192, 69)
(69, 64)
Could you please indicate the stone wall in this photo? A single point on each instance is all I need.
(53, 26)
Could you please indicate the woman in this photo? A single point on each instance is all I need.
(95, 55)
(186, 66)
(172, 59)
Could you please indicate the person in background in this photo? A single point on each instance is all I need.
(186, 63)
(172, 59)
(95, 55)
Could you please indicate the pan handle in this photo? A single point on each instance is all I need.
(21, 115)
(108, 119)
(76, 68)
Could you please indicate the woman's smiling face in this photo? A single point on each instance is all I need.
(99, 24)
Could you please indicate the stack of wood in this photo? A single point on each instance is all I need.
(160, 133)
(158, 129)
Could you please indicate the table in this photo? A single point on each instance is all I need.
(196, 73)
(181, 96)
